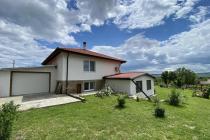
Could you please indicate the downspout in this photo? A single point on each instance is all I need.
(141, 90)
(67, 72)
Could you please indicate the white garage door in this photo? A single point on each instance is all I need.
(29, 83)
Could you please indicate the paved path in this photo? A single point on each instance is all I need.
(47, 102)
(39, 103)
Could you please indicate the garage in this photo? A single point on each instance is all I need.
(27, 80)
(29, 83)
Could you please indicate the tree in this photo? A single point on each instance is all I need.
(165, 77)
(171, 76)
(185, 77)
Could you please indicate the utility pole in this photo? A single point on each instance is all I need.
(13, 63)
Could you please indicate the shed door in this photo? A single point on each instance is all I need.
(30, 83)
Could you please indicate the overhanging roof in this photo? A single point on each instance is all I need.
(128, 75)
(81, 52)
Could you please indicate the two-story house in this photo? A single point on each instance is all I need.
(73, 70)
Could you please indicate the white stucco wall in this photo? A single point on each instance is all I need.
(5, 78)
(129, 87)
(60, 62)
(144, 79)
(4, 83)
(102, 68)
(119, 85)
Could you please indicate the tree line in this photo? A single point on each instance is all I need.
(180, 77)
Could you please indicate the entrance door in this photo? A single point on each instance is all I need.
(79, 86)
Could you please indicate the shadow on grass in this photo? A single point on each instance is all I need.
(119, 107)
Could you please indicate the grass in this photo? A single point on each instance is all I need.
(99, 119)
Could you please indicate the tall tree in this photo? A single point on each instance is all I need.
(185, 77)
(165, 77)
(171, 76)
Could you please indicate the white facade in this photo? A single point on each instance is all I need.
(120, 85)
(127, 86)
(144, 79)
(103, 67)
(4, 83)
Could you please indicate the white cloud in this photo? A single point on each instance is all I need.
(189, 49)
(186, 6)
(23, 22)
(149, 13)
(200, 14)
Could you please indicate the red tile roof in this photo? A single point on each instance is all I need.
(127, 75)
(79, 51)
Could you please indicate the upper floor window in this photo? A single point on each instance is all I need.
(149, 85)
(89, 65)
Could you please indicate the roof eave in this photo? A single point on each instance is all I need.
(58, 50)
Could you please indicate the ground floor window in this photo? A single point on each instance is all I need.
(149, 85)
(88, 86)
(138, 86)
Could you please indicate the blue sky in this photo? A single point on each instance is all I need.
(152, 36)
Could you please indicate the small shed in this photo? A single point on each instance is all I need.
(132, 83)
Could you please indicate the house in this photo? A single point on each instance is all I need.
(73, 70)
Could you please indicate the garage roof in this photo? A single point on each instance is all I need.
(79, 51)
(127, 75)
(26, 68)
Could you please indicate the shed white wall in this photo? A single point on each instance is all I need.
(4, 83)
(119, 85)
(144, 79)
(129, 87)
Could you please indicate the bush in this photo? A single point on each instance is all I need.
(175, 98)
(137, 99)
(106, 91)
(121, 102)
(206, 93)
(159, 112)
(8, 113)
(156, 101)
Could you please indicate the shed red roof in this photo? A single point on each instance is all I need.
(127, 75)
(80, 51)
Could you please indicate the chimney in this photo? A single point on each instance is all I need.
(84, 45)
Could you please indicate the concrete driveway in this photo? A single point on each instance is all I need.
(39, 100)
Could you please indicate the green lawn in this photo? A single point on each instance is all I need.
(99, 119)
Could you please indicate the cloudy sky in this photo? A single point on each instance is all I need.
(152, 35)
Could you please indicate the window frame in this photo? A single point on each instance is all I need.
(141, 86)
(150, 84)
(89, 85)
(89, 69)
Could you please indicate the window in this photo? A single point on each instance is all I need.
(89, 66)
(88, 86)
(149, 86)
(92, 65)
(86, 66)
(138, 86)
